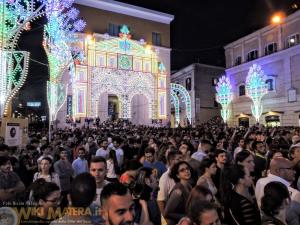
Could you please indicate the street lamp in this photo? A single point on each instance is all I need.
(277, 19)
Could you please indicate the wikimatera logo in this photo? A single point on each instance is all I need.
(23, 215)
(8, 216)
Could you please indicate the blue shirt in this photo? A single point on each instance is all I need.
(80, 166)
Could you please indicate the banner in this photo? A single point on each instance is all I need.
(12, 134)
(69, 105)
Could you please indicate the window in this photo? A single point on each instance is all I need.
(271, 48)
(113, 29)
(238, 61)
(156, 39)
(242, 90)
(270, 83)
(214, 82)
(292, 40)
(188, 84)
(252, 55)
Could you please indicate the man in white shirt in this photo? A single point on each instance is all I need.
(281, 170)
(203, 149)
(119, 151)
(103, 151)
(166, 183)
(240, 147)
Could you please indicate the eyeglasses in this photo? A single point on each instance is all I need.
(184, 169)
(57, 201)
(289, 168)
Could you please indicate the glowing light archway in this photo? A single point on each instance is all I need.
(178, 91)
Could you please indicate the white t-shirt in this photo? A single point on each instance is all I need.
(166, 185)
(120, 156)
(102, 152)
(111, 173)
(262, 182)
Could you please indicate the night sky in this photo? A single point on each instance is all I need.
(198, 34)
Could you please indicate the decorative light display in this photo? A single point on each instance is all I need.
(224, 96)
(58, 37)
(15, 68)
(256, 88)
(15, 17)
(124, 84)
(183, 94)
(122, 67)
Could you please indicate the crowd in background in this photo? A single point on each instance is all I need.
(117, 173)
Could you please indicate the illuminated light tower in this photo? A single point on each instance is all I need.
(14, 18)
(256, 88)
(224, 96)
(58, 38)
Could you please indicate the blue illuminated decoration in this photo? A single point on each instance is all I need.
(125, 45)
(256, 88)
(178, 91)
(124, 30)
(224, 96)
(161, 68)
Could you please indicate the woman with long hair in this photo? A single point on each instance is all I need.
(113, 169)
(46, 172)
(208, 169)
(239, 206)
(175, 207)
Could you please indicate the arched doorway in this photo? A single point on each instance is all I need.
(113, 107)
(140, 109)
(108, 106)
(244, 121)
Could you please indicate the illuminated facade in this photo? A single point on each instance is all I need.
(276, 51)
(121, 77)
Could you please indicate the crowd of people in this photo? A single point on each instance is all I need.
(116, 173)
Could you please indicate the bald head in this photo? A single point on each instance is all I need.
(283, 168)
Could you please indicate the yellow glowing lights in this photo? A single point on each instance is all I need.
(89, 37)
(277, 18)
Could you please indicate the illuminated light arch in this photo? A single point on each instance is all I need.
(126, 66)
(256, 88)
(14, 18)
(224, 96)
(175, 102)
(178, 90)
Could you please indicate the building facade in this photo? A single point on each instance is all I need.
(199, 80)
(126, 70)
(276, 50)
